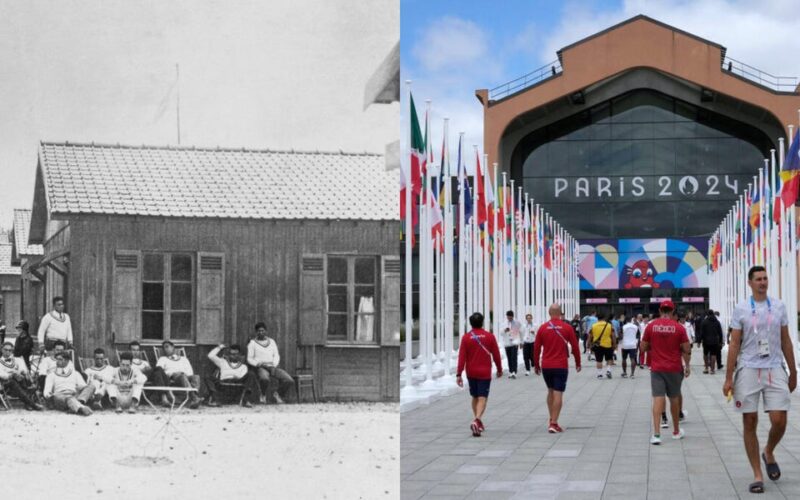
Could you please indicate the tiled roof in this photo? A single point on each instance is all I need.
(5, 261)
(217, 183)
(22, 225)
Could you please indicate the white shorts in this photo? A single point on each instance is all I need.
(752, 384)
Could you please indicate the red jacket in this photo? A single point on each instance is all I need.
(552, 347)
(478, 349)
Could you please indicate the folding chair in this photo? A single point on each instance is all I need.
(143, 353)
(84, 363)
(158, 351)
(230, 386)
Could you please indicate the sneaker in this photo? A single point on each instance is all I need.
(97, 405)
(277, 397)
(552, 428)
(132, 409)
(557, 427)
(624, 375)
(527, 372)
(632, 377)
(513, 375)
(480, 424)
(476, 431)
(84, 411)
(608, 373)
(664, 422)
(678, 435)
(655, 439)
(247, 404)
(118, 409)
(599, 375)
(213, 404)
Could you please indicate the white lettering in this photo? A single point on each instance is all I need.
(582, 186)
(712, 181)
(621, 187)
(663, 328)
(733, 187)
(665, 183)
(603, 186)
(561, 185)
(638, 186)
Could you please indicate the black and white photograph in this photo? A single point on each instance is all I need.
(199, 249)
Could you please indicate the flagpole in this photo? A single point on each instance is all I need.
(448, 253)
(408, 390)
(462, 319)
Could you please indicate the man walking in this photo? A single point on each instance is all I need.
(630, 343)
(666, 341)
(551, 353)
(528, 339)
(510, 336)
(761, 334)
(710, 335)
(588, 323)
(603, 343)
(477, 352)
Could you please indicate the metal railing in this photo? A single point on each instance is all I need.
(540, 74)
(778, 83)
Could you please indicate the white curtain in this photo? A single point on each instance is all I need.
(366, 323)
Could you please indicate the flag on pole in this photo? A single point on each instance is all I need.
(755, 209)
(418, 158)
(791, 173)
(465, 190)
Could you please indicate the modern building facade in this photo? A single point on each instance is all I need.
(638, 140)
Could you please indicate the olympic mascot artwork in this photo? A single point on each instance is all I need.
(641, 275)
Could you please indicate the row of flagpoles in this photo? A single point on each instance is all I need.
(499, 247)
(760, 229)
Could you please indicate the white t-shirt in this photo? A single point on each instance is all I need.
(511, 337)
(529, 333)
(770, 316)
(689, 329)
(629, 331)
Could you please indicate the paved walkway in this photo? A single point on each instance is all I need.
(603, 453)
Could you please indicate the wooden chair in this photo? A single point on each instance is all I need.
(84, 363)
(304, 377)
(158, 351)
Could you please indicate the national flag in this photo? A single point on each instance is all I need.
(479, 188)
(547, 243)
(444, 175)
(790, 174)
(417, 167)
(435, 218)
(755, 209)
(776, 204)
(465, 190)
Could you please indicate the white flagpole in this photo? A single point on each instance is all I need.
(462, 278)
(408, 390)
(448, 254)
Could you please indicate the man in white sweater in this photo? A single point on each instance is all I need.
(55, 325)
(66, 388)
(100, 374)
(231, 369)
(48, 363)
(263, 358)
(174, 369)
(125, 388)
(139, 360)
(16, 379)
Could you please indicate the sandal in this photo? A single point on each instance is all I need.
(757, 487)
(773, 471)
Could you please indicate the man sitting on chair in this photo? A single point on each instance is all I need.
(99, 375)
(125, 388)
(14, 376)
(66, 387)
(263, 357)
(48, 363)
(174, 369)
(231, 369)
(138, 360)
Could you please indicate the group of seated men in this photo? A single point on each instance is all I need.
(66, 389)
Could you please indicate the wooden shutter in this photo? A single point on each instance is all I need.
(313, 307)
(126, 294)
(210, 298)
(390, 300)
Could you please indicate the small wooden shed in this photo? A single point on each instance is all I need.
(197, 245)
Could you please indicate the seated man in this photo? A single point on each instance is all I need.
(263, 357)
(66, 388)
(231, 369)
(99, 375)
(48, 363)
(174, 369)
(138, 360)
(14, 376)
(125, 388)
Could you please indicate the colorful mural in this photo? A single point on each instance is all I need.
(654, 263)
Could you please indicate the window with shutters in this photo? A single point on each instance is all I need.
(168, 296)
(351, 286)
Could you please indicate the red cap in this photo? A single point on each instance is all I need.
(667, 305)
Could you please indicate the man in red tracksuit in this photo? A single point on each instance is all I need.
(551, 359)
(477, 351)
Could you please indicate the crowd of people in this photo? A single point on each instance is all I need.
(41, 373)
(760, 365)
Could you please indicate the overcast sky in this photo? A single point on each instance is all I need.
(274, 74)
(450, 48)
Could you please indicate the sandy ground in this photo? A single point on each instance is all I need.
(330, 451)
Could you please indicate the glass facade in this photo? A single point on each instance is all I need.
(640, 165)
